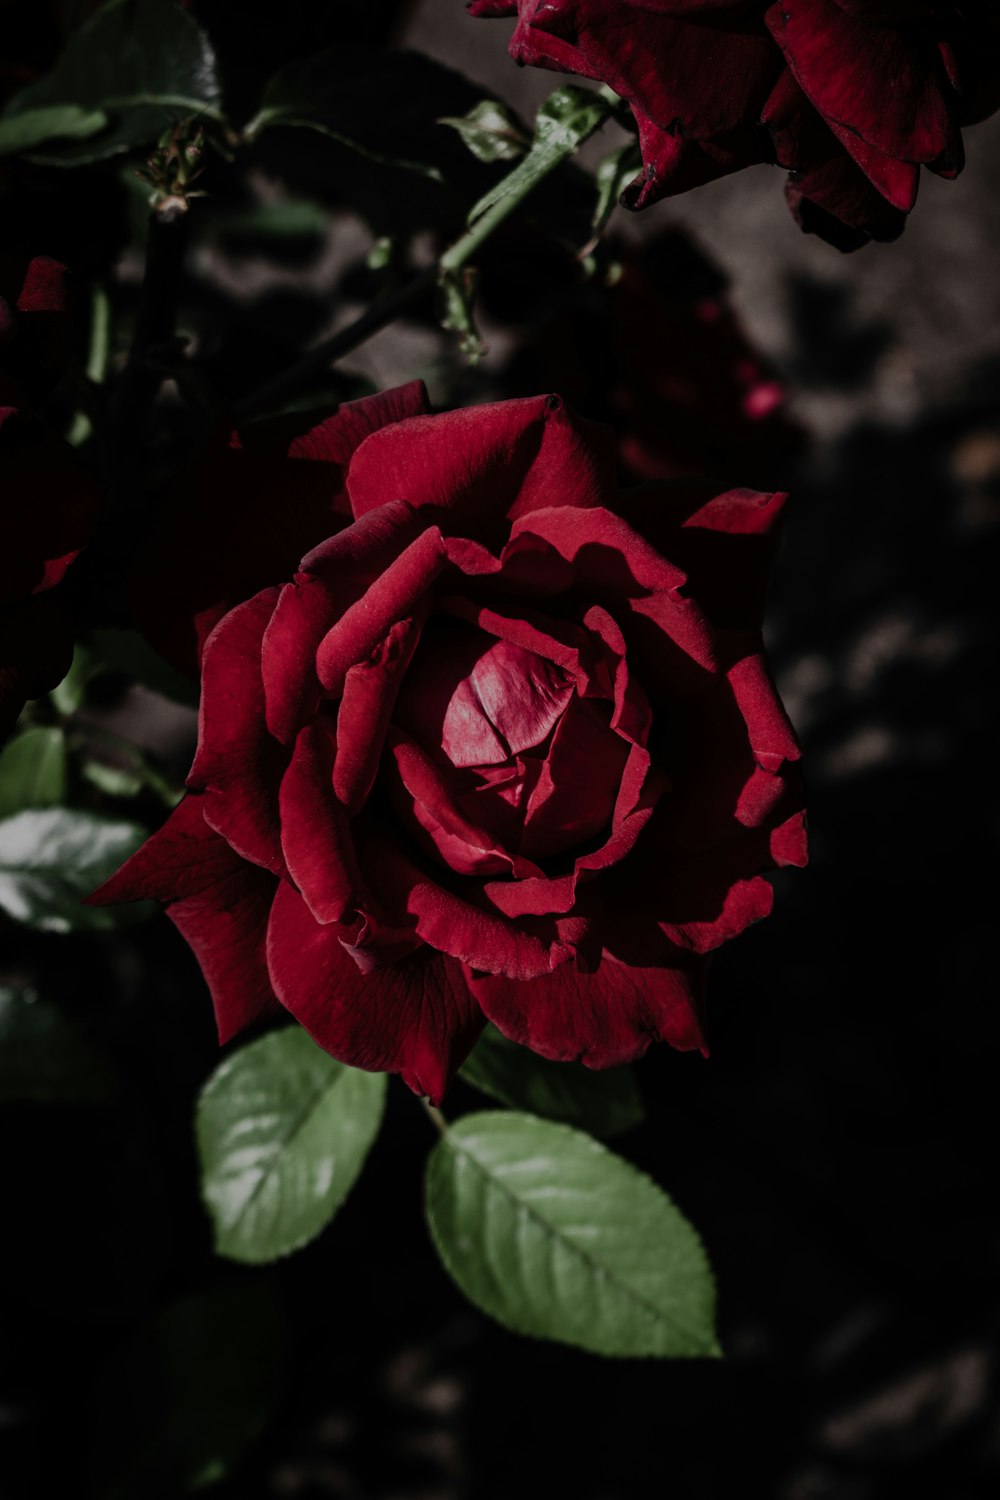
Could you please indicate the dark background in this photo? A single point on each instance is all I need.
(836, 1152)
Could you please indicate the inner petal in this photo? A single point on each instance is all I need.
(478, 701)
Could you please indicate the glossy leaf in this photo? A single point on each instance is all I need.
(283, 1131)
(44, 1056)
(33, 770)
(141, 65)
(68, 695)
(48, 123)
(566, 119)
(51, 858)
(601, 1103)
(491, 131)
(384, 105)
(177, 1405)
(128, 652)
(552, 1235)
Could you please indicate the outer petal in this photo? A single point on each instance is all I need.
(395, 594)
(237, 764)
(885, 86)
(828, 192)
(448, 923)
(672, 164)
(602, 1018)
(329, 581)
(416, 1017)
(481, 465)
(255, 509)
(724, 543)
(334, 438)
(659, 62)
(218, 903)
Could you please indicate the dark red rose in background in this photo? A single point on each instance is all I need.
(660, 353)
(36, 334)
(851, 96)
(48, 501)
(505, 746)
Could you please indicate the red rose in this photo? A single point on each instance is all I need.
(660, 353)
(49, 502)
(851, 96)
(506, 746)
(36, 335)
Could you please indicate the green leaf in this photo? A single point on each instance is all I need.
(139, 64)
(48, 123)
(563, 123)
(177, 1405)
(113, 781)
(33, 770)
(552, 1235)
(600, 1103)
(283, 1131)
(372, 100)
(127, 651)
(69, 694)
(44, 1056)
(492, 131)
(51, 858)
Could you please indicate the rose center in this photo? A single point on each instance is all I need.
(518, 755)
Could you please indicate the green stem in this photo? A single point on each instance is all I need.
(379, 316)
(558, 135)
(96, 367)
(435, 1116)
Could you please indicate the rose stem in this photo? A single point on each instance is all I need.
(501, 201)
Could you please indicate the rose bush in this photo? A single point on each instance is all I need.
(505, 746)
(852, 97)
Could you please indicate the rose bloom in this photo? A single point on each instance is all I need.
(851, 96)
(48, 501)
(504, 746)
(659, 352)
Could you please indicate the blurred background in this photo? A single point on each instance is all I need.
(835, 1151)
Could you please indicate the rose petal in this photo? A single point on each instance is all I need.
(415, 1017)
(482, 465)
(884, 86)
(395, 594)
(370, 689)
(329, 580)
(315, 830)
(606, 560)
(454, 926)
(602, 1019)
(218, 903)
(237, 764)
